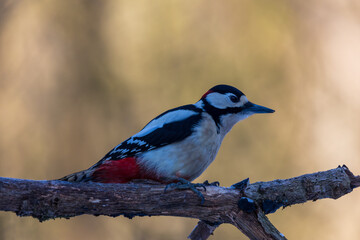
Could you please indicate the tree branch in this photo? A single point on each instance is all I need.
(245, 208)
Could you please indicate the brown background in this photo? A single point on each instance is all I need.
(78, 77)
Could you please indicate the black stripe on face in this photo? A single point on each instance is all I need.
(216, 113)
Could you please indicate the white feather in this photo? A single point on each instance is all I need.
(229, 120)
(137, 141)
(218, 100)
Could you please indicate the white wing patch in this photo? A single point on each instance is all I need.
(119, 150)
(169, 117)
(137, 141)
(140, 142)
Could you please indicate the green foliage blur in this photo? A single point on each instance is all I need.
(78, 77)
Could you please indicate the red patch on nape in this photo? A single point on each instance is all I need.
(119, 171)
(207, 93)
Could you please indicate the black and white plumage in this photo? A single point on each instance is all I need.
(179, 143)
(161, 131)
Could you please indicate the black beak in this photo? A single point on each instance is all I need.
(254, 108)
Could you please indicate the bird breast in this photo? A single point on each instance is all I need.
(188, 158)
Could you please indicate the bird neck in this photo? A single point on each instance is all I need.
(224, 119)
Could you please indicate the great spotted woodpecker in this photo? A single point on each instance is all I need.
(176, 146)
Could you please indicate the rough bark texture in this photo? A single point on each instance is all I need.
(53, 199)
(329, 184)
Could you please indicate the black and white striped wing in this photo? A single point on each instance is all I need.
(170, 127)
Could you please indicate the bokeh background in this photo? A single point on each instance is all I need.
(78, 77)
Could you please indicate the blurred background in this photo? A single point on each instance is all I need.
(79, 77)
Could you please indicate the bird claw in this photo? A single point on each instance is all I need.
(184, 184)
(215, 184)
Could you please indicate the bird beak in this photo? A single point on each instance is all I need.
(254, 108)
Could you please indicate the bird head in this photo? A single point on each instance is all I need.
(228, 105)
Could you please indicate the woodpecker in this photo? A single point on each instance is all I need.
(176, 146)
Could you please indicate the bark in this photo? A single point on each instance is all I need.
(56, 199)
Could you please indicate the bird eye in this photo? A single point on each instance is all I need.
(234, 98)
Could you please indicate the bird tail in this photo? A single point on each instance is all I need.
(109, 171)
(82, 176)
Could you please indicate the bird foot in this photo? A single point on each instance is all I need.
(215, 184)
(184, 184)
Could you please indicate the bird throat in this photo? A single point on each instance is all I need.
(217, 113)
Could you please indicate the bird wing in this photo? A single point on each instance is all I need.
(171, 126)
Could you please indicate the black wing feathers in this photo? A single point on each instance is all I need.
(190, 107)
(171, 132)
(167, 134)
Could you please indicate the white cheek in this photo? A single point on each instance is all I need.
(223, 101)
(217, 100)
